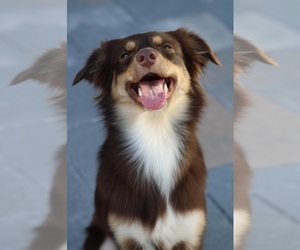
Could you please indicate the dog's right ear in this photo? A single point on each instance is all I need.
(93, 71)
(246, 53)
(196, 51)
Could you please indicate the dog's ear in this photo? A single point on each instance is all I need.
(246, 53)
(49, 68)
(195, 50)
(94, 69)
(93, 65)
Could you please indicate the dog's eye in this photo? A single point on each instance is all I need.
(167, 46)
(123, 56)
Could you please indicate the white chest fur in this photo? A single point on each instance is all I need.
(154, 144)
(152, 141)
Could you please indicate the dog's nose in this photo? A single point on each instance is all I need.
(146, 57)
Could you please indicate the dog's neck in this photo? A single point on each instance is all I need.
(153, 141)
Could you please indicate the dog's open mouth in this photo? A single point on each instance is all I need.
(152, 91)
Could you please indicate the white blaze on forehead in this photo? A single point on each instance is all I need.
(158, 40)
(130, 45)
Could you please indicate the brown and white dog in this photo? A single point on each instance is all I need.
(152, 176)
(245, 55)
(50, 69)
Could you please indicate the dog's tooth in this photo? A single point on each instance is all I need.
(165, 87)
(140, 91)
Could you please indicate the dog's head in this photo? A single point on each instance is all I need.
(147, 69)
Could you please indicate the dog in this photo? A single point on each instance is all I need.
(152, 176)
(50, 69)
(245, 55)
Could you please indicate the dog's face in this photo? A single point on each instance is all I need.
(148, 69)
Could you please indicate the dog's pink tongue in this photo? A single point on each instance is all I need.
(153, 95)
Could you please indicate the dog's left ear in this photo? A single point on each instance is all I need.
(195, 50)
(92, 71)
